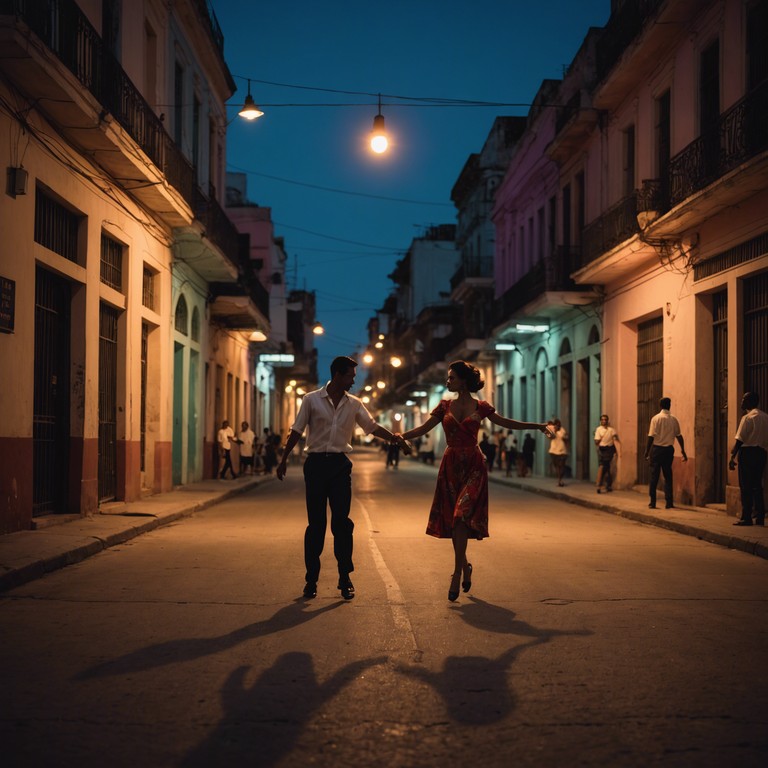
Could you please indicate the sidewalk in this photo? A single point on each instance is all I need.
(28, 555)
(704, 523)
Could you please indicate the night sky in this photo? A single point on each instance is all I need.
(347, 215)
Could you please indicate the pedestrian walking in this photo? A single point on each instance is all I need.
(225, 438)
(558, 449)
(608, 444)
(330, 415)
(529, 448)
(664, 429)
(512, 456)
(751, 449)
(488, 448)
(460, 506)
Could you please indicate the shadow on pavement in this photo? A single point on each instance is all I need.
(262, 723)
(187, 649)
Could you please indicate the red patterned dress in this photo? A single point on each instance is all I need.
(462, 481)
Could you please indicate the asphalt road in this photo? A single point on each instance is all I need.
(586, 640)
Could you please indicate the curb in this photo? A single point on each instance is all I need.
(15, 577)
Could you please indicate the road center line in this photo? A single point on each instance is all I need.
(395, 597)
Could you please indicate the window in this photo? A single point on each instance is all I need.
(709, 89)
(148, 289)
(181, 318)
(629, 160)
(757, 50)
(196, 132)
(663, 135)
(55, 226)
(111, 263)
(178, 102)
(195, 325)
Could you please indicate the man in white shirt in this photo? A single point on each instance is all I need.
(246, 439)
(660, 450)
(607, 442)
(751, 446)
(225, 438)
(330, 416)
(558, 449)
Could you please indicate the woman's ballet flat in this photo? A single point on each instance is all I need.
(467, 583)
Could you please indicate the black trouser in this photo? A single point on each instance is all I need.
(328, 480)
(227, 464)
(661, 462)
(751, 467)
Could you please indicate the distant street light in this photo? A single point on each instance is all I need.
(367, 358)
(395, 361)
(318, 329)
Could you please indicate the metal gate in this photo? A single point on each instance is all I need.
(650, 379)
(756, 336)
(108, 318)
(720, 346)
(50, 419)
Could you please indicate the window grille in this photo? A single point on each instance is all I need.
(111, 263)
(148, 289)
(55, 226)
(182, 316)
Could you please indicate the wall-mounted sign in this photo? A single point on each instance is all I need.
(7, 304)
(281, 361)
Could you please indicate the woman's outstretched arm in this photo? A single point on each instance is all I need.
(427, 426)
(501, 421)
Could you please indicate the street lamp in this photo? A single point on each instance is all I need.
(318, 329)
(395, 361)
(367, 358)
(250, 111)
(379, 140)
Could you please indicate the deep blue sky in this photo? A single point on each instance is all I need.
(343, 244)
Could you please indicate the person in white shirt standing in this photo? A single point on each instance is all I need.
(660, 451)
(751, 447)
(607, 442)
(330, 416)
(246, 439)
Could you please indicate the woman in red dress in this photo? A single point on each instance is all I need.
(460, 507)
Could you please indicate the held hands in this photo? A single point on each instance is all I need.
(403, 443)
(548, 433)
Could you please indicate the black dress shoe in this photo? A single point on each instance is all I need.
(346, 587)
(651, 506)
(669, 506)
(759, 522)
(310, 589)
(743, 522)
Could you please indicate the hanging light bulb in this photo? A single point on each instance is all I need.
(379, 141)
(250, 111)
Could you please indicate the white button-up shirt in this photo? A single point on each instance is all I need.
(753, 429)
(329, 429)
(664, 428)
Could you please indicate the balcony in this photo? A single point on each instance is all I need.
(546, 289)
(574, 124)
(740, 135)
(616, 225)
(637, 36)
(472, 272)
(92, 101)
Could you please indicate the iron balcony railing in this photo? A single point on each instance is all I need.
(616, 225)
(622, 28)
(476, 267)
(553, 273)
(218, 226)
(740, 134)
(63, 27)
